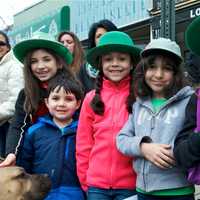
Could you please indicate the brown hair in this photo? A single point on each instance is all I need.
(98, 105)
(78, 54)
(34, 94)
(141, 89)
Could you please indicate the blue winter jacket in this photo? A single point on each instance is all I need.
(51, 150)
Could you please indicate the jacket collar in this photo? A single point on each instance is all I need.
(124, 83)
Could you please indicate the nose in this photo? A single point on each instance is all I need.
(158, 72)
(61, 102)
(40, 65)
(115, 62)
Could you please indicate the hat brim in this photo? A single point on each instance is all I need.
(192, 36)
(21, 49)
(156, 50)
(94, 54)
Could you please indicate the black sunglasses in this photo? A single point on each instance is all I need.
(3, 43)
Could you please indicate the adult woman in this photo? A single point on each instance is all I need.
(71, 41)
(11, 82)
(88, 73)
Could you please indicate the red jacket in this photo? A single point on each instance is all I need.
(99, 163)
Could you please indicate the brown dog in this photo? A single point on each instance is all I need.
(16, 184)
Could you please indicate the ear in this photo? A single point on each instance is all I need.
(46, 102)
(78, 104)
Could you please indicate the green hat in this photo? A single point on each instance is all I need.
(192, 36)
(41, 40)
(112, 41)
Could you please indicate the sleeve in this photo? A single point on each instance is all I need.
(84, 141)
(18, 121)
(187, 143)
(127, 142)
(15, 83)
(27, 153)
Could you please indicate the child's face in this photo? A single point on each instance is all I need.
(159, 76)
(43, 65)
(62, 106)
(116, 66)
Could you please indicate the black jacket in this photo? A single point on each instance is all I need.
(87, 81)
(187, 143)
(21, 121)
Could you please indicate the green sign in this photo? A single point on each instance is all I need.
(52, 23)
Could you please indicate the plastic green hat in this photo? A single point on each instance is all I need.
(113, 41)
(41, 40)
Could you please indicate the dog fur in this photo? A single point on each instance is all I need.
(16, 184)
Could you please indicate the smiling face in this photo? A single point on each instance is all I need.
(3, 46)
(44, 65)
(159, 76)
(62, 106)
(116, 66)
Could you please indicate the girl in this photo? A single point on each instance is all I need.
(43, 57)
(187, 144)
(71, 41)
(49, 145)
(158, 115)
(88, 73)
(103, 171)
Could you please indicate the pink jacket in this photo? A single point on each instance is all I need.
(99, 163)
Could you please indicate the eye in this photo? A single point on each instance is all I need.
(33, 61)
(168, 67)
(151, 66)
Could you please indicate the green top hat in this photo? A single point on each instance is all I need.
(41, 40)
(192, 36)
(112, 41)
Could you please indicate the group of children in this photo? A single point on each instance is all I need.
(126, 127)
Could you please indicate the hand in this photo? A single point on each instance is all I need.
(159, 154)
(10, 160)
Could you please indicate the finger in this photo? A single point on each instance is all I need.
(158, 164)
(168, 160)
(168, 153)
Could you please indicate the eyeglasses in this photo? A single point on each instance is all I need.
(3, 43)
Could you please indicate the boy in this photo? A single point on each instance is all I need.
(49, 145)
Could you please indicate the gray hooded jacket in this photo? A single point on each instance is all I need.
(160, 127)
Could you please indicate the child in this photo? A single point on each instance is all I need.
(49, 145)
(158, 114)
(102, 170)
(187, 144)
(88, 73)
(43, 57)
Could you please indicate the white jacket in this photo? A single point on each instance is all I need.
(11, 82)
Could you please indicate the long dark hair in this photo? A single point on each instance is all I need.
(104, 23)
(33, 91)
(98, 105)
(141, 89)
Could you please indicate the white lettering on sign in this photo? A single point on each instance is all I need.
(194, 12)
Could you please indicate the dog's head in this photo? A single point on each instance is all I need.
(16, 184)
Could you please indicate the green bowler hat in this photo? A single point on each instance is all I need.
(192, 36)
(113, 41)
(44, 41)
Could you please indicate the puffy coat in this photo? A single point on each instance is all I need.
(11, 82)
